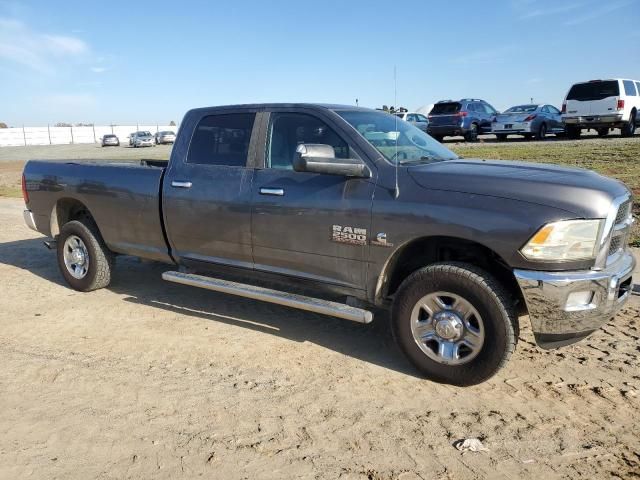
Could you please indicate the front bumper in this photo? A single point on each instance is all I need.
(556, 320)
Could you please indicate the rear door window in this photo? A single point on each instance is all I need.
(599, 90)
(629, 88)
(222, 140)
(449, 108)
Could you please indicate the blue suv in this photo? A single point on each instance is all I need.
(468, 117)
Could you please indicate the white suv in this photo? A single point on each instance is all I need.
(602, 105)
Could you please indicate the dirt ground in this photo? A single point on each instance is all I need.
(147, 379)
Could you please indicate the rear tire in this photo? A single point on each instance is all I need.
(472, 134)
(603, 132)
(491, 312)
(541, 134)
(91, 267)
(438, 138)
(501, 137)
(573, 133)
(629, 128)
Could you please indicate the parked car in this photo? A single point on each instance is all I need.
(602, 105)
(165, 137)
(308, 206)
(468, 117)
(141, 139)
(110, 141)
(532, 120)
(417, 119)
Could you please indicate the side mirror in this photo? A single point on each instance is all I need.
(319, 158)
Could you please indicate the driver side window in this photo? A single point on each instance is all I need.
(288, 130)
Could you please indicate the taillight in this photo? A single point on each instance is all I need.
(564, 108)
(529, 118)
(620, 105)
(25, 194)
(462, 114)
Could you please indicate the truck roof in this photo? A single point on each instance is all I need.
(318, 106)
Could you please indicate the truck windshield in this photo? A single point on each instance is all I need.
(397, 140)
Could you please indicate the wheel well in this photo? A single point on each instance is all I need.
(429, 250)
(66, 210)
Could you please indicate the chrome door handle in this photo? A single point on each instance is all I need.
(272, 191)
(178, 184)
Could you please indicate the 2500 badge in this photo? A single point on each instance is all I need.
(349, 235)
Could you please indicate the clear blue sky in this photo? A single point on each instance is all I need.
(83, 61)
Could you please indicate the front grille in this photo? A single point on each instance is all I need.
(616, 243)
(623, 212)
(620, 231)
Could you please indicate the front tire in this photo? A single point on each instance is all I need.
(501, 137)
(83, 258)
(455, 322)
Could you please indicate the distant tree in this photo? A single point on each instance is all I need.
(84, 124)
(3, 125)
(385, 108)
(172, 123)
(62, 124)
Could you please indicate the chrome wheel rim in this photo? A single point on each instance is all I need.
(447, 328)
(76, 257)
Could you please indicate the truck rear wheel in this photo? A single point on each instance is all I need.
(83, 258)
(629, 128)
(455, 323)
(572, 132)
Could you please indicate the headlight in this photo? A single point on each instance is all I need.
(564, 241)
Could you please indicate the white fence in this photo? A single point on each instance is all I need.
(23, 136)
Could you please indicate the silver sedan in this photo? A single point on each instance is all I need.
(165, 137)
(531, 121)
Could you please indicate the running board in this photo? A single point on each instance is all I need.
(300, 302)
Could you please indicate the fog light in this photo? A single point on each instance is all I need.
(579, 301)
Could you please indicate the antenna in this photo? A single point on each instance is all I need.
(396, 192)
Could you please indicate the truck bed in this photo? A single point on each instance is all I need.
(123, 198)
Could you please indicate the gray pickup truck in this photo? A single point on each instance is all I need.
(347, 211)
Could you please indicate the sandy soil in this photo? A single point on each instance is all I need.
(152, 380)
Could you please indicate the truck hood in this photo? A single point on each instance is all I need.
(580, 192)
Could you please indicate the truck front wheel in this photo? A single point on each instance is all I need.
(455, 323)
(83, 258)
